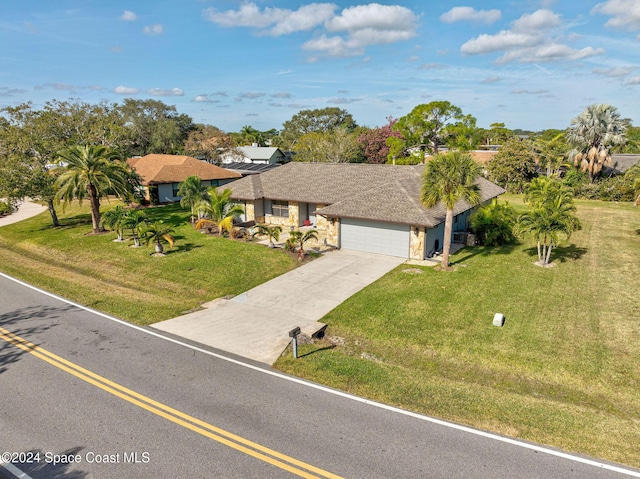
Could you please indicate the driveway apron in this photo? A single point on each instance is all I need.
(256, 324)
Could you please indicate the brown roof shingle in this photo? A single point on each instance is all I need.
(377, 192)
(155, 169)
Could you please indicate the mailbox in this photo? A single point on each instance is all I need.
(294, 332)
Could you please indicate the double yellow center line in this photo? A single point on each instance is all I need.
(238, 443)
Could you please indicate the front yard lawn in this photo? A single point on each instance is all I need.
(563, 371)
(128, 282)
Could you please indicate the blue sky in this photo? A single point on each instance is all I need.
(529, 64)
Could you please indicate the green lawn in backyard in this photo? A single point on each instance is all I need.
(128, 282)
(563, 371)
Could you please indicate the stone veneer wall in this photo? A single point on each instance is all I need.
(250, 211)
(416, 243)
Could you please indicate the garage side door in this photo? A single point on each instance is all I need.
(375, 237)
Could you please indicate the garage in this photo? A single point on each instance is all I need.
(375, 237)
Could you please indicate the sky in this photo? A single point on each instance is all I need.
(531, 64)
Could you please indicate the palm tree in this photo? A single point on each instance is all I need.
(449, 178)
(93, 172)
(113, 219)
(135, 221)
(157, 233)
(299, 238)
(592, 134)
(192, 192)
(551, 215)
(219, 209)
(271, 231)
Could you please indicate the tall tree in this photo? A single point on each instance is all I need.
(449, 178)
(314, 121)
(498, 134)
(427, 128)
(91, 172)
(551, 153)
(32, 138)
(336, 146)
(208, 143)
(154, 127)
(592, 134)
(514, 165)
(373, 141)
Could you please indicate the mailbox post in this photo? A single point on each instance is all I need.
(294, 334)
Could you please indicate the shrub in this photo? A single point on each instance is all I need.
(493, 224)
(5, 208)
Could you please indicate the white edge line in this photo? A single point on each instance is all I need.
(336, 392)
(13, 469)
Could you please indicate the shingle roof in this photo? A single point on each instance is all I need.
(378, 192)
(621, 162)
(155, 169)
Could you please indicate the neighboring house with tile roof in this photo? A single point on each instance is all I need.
(164, 173)
(374, 208)
(254, 154)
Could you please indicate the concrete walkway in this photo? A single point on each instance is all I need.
(255, 324)
(26, 209)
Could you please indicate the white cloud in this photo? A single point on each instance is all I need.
(128, 16)
(529, 40)
(625, 13)
(540, 20)
(202, 99)
(161, 92)
(345, 34)
(491, 80)
(549, 52)
(155, 29)
(125, 90)
(501, 41)
(281, 21)
(613, 72)
(634, 80)
(529, 92)
(469, 14)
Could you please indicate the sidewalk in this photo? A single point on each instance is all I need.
(26, 209)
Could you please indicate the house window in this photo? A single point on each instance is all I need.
(175, 187)
(280, 208)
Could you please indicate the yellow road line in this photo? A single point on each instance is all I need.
(220, 435)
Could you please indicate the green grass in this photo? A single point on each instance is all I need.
(563, 371)
(128, 282)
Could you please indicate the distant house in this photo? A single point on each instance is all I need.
(621, 162)
(254, 154)
(162, 174)
(373, 208)
(483, 157)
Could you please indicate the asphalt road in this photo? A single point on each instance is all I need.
(104, 399)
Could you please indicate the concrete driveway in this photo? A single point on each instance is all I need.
(255, 324)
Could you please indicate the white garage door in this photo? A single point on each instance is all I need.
(375, 237)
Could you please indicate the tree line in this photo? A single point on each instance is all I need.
(31, 141)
